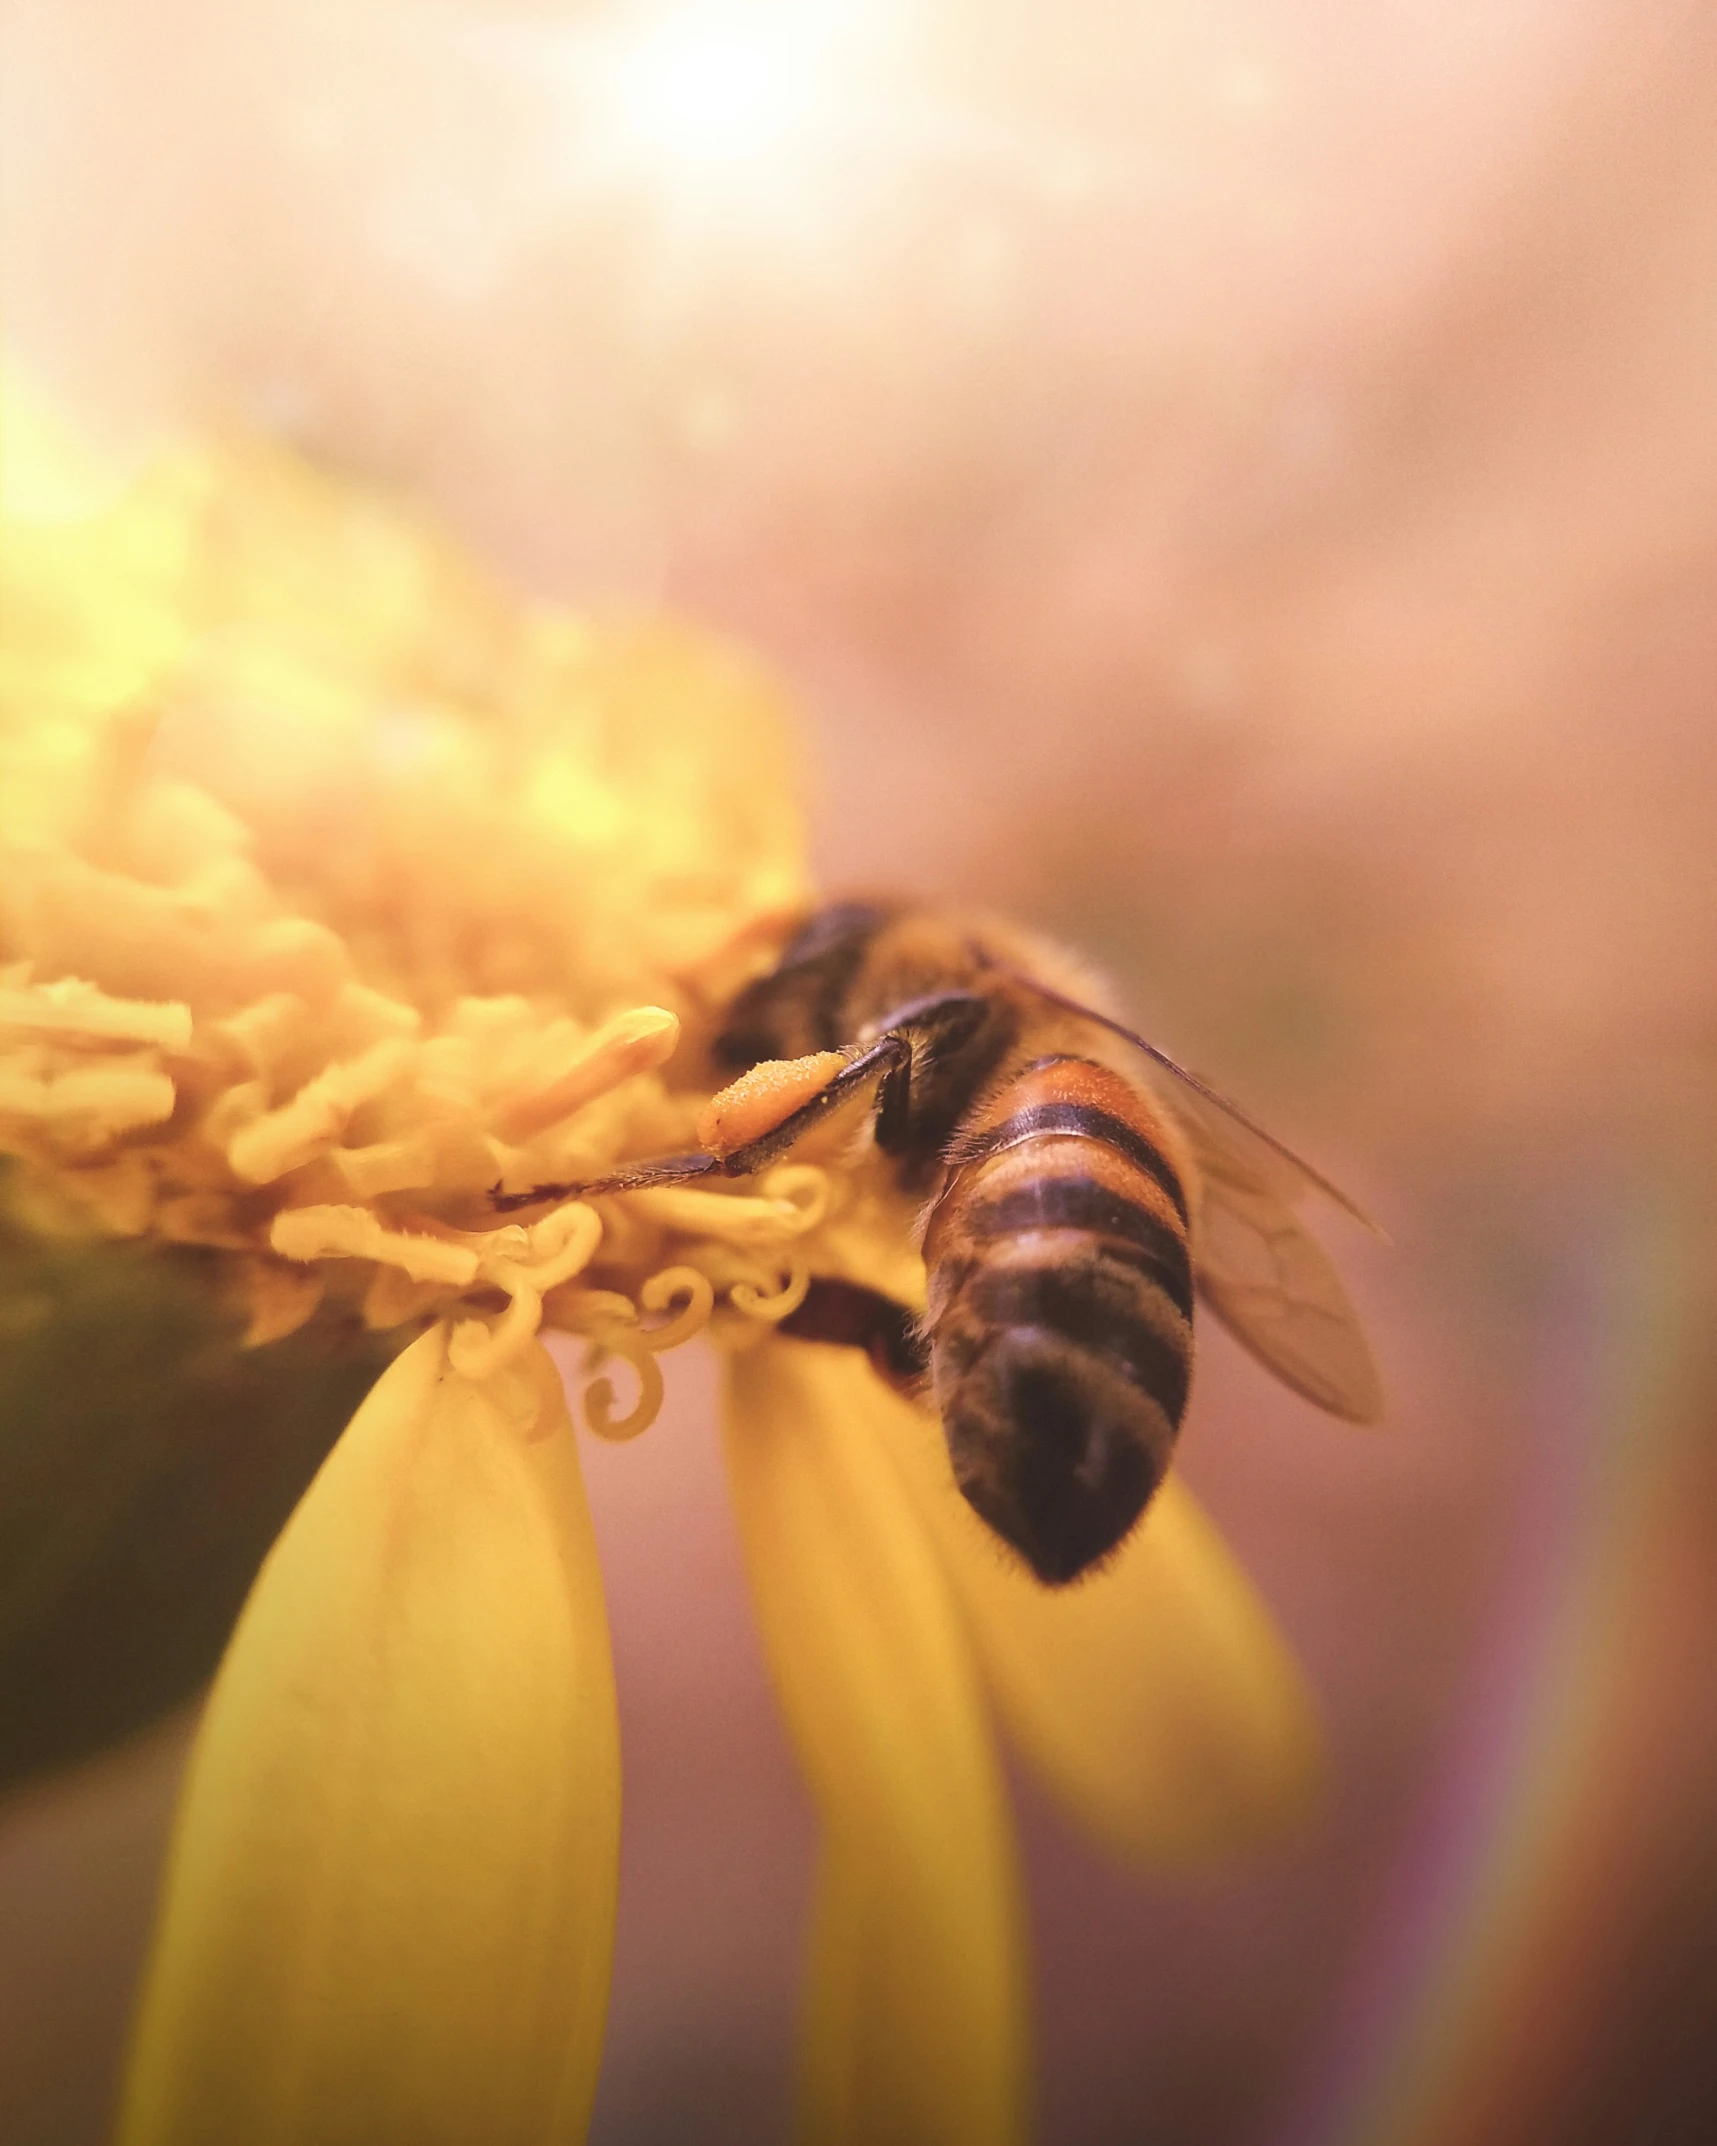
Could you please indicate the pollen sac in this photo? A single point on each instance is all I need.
(758, 1101)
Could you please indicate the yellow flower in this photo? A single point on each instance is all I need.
(335, 885)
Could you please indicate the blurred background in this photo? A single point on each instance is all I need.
(1235, 485)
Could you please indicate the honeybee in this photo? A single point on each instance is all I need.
(1081, 1189)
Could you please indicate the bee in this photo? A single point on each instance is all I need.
(1081, 1190)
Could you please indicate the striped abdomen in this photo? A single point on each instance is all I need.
(1060, 1311)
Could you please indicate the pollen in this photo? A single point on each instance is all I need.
(762, 1098)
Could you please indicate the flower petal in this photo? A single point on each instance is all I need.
(389, 1909)
(1156, 1698)
(917, 2029)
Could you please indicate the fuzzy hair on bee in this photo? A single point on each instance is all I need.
(1081, 1192)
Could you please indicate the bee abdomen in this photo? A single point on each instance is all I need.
(1079, 1120)
(1060, 1316)
(1129, 1235)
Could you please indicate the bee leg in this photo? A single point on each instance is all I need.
(854, 1317)
(941, 1022)
(886, 1060)
(637, 1177)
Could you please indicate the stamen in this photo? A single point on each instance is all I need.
(555, 1249)
(77, 1012)
(353, 1233)
(772, 1307)
(660, 1291)
(793, 1200)
(265, 1030)
(804, 1187)
(633, 1042)
(299, 1131)
(120, 1194)
(593, 1311)
(387, 1166)
(479, 1348)
(85, 1106)
(599, 1394)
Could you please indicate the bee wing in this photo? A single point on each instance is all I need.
(1190, 1096)
(1265, 1275)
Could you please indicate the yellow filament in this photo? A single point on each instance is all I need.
(561, 1245)
(91, 1103)
(280, 1298)
(804, 1187)
(660, 1291)
(387, 1166)
(633, 1042)
(354, 1233)
(79, 1013)
(772, 1306)
(281, 1140)
(479, 1349)
(593, 1311)
(393, 1297)
(262, 1031)
(599, 1394)
(555, 1248)
(792, 1201)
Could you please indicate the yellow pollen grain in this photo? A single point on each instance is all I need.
(762, 1097)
